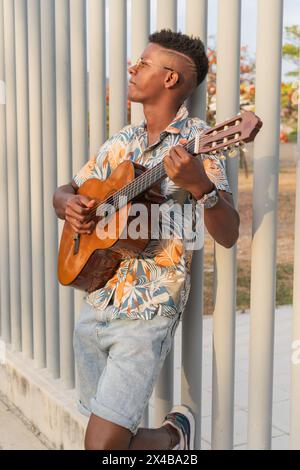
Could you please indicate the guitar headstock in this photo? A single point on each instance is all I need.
(229, 134)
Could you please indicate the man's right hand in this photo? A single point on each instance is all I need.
(79, 212)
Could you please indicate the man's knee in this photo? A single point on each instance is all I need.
(104, 435)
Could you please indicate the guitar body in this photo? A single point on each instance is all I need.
(97, 258)
(89, 261)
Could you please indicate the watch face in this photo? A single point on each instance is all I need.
(211, 201)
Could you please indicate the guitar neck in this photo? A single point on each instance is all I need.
(226, 135)
(142, 183)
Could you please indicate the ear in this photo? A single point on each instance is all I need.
(171, 79)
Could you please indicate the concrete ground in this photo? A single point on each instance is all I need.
(281, 390)
(15, 434)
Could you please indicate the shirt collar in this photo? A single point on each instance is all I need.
(178, 122)
(176, 126)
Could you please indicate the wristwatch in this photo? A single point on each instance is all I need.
(209, 200)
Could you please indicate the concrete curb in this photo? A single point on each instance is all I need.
(43, 402)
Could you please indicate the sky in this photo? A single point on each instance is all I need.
(291, 15)
(248, 22)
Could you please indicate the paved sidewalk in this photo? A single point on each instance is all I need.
(281, 390)
(14, 434)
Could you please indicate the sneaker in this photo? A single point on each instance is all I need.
(182, 419)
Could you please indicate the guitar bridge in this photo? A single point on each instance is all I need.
(76, 239)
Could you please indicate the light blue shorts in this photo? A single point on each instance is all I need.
(118, 362)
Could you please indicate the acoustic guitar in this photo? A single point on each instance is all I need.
(88, 261)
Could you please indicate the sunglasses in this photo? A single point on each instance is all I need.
(142, 63)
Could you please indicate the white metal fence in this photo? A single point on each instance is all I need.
(49, 97)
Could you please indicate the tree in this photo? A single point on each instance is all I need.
(289, 91)
(247, 87)
(291, 49)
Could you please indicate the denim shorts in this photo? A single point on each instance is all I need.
(118, 362)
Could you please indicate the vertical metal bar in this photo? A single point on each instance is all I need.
(24, 174)
(140, 29)
(191, 379)
(79, 96)
(166, 18)
(64, 175)
(265, 191)
(4, 235)
(228, 93)
(36, 180)
(166, 15)
(49, 168)
(97, 75)
(196, 24)
(79, 83)
(12, 174)
(295, 366)
(117, 66)
(163, 392)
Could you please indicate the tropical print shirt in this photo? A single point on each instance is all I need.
(157, 281)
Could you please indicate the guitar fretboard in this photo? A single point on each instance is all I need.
(141, 183)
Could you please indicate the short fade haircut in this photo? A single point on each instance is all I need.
(190, 46)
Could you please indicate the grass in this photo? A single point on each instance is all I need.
(284, 286)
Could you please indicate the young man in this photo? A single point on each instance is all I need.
(125, 329)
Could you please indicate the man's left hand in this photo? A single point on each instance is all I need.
(187, 172)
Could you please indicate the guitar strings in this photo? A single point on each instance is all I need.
(142, 180)
(148, 178)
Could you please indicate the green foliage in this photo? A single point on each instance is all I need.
(289, 110)
(293, 136)
(284, 284)
(291, 49)
(289, 91)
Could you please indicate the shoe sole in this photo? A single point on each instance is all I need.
(187, 412)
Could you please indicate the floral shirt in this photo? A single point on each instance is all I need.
(157, 281)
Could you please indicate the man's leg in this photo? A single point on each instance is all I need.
(136, 352)
(105, 435)
(165, 437)
(90, 359)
